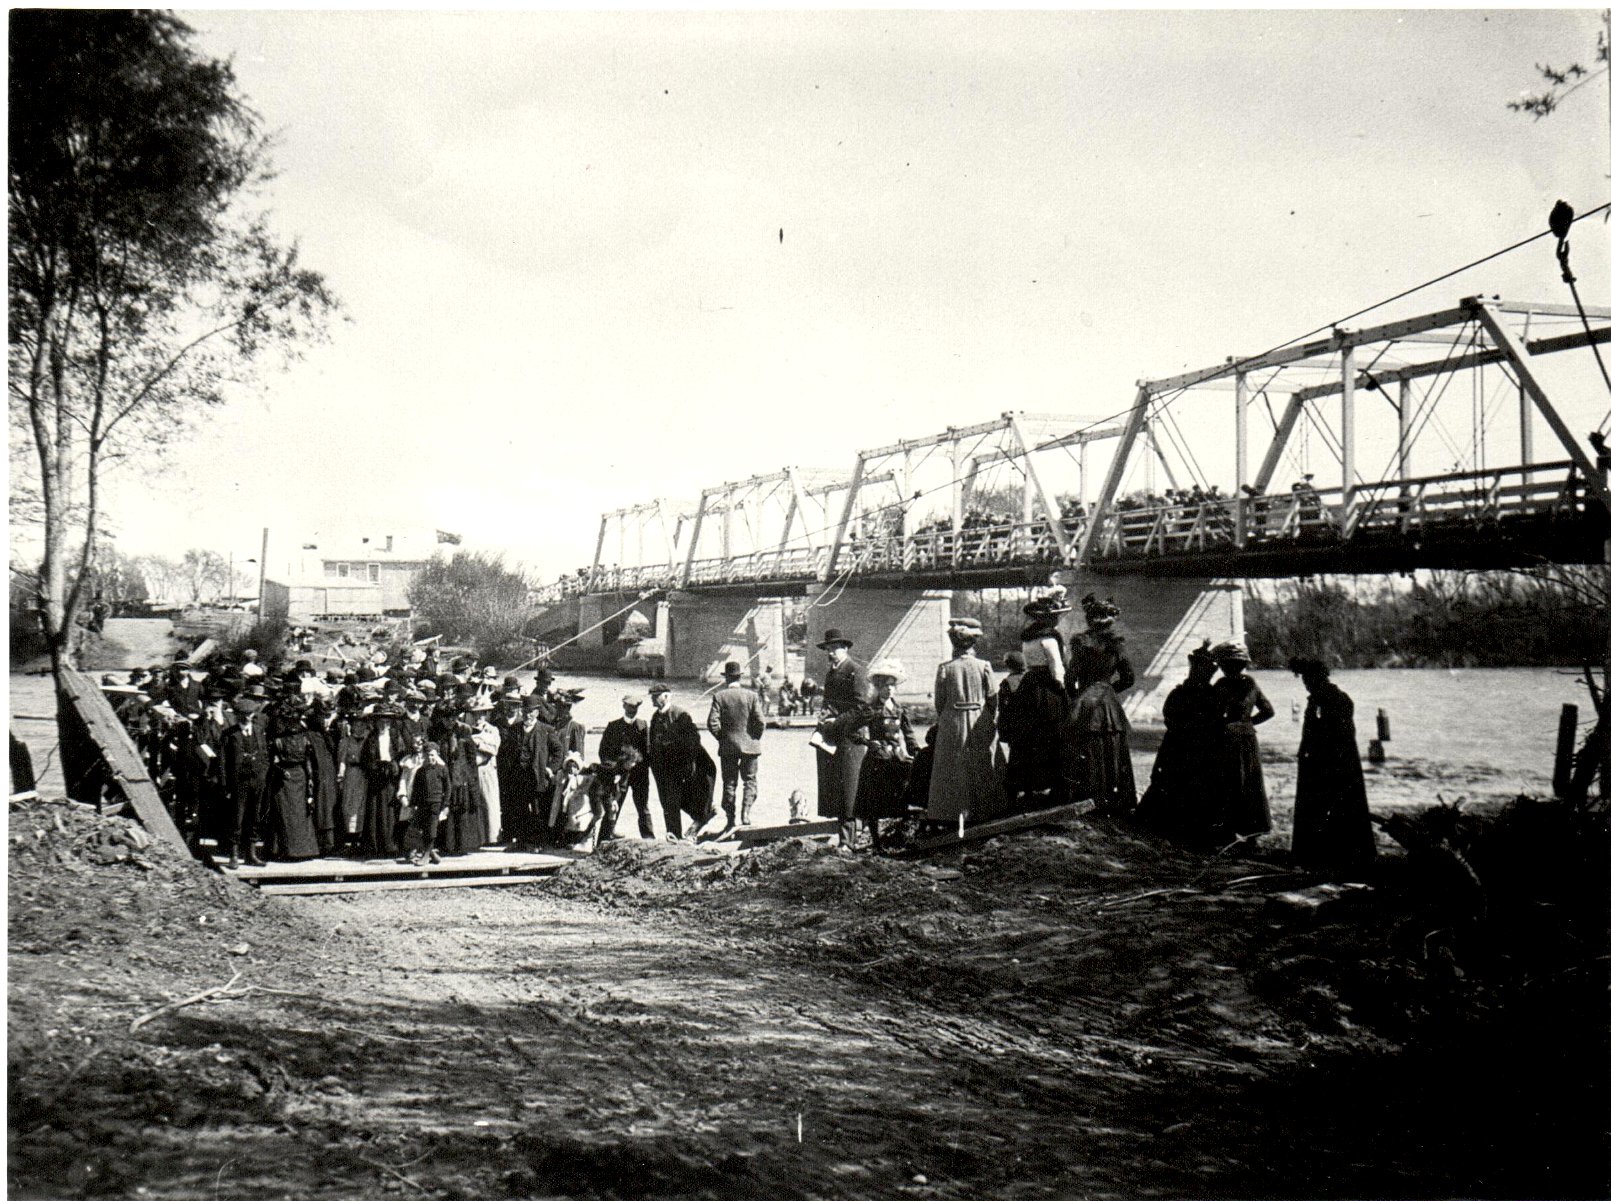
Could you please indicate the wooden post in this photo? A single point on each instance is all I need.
(959, 488)
(598, 547)
(1278, 443)
(262, 572)
(1406, 410)
(1525, 411)
(1348, 448)
(1241, 458)
(693, 545)
(1565, 748)
(1133, 423)
(844, 517)
(1032, 477)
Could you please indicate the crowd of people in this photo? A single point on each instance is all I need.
(413, 763)
(1054, 732)
(418, 760)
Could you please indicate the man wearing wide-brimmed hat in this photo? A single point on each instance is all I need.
(846, 691)
(736, 723)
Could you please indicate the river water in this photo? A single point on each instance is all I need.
(1473, 732)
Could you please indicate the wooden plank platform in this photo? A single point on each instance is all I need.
(327, 887)
(101, 735)
(498, 864)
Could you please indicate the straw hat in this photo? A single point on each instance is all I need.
(889, 669)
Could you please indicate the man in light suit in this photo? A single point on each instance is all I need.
(736, 721)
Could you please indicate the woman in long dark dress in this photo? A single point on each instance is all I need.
(351, 732)
(883, 727)
(1174, 802)
(465, 830)
(1099, 733)
(383, 750)
(1241, 809)
(1038, 756)
(1331, 830)
(289, 834)
(323, 783)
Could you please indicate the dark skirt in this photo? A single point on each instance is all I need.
(1331, 830)
(1243, 806)
(1175, 801)
(380, 833)
(839, 780)
(881, 790)
(326, 795)
(289, 834)
(465, 829)
(1099, 735)
(353, 801)
(1034, 724)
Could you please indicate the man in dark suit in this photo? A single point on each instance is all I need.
(845, 691)
(735, 720)
(678, 762)
(246, 764)
(630, 731)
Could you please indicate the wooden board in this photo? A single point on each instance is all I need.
(482, 863)
(107, 738)
(326, 887)
(754, 836)
(1005, 825)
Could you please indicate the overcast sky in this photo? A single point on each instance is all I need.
(557, 237)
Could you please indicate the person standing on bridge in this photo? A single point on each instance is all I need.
(735, 721)
(1099, 733)
(846, 692)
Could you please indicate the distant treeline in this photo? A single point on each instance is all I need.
(1557, 617)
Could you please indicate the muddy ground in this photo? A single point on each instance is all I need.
(1076, 1012)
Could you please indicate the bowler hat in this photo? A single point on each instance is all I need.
(832, 637)
(731, 670)
(658, 687)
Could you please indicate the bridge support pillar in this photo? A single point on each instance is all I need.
(901, 623)
(702, 631)
(1164, 619)
(590, 611)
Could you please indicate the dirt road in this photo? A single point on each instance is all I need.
(1076, 1014)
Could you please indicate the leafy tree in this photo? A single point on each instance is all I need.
(1562, 82)
(140, 291)
(474, 599)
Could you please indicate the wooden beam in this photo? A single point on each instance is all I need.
(1241, 457)
(598, 547)
(954, 433)
(1522, 363)
(1406, 410)
(1048, 504)
(1549, 310)
(1005, 825)
(1348, 439)
(1278, 442)
(1134, 420)
(91, 720)
(1338, 340)
(844, 517)
(693, 542)
(1476, 358)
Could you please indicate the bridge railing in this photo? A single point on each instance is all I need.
(1408, 508)
(1387, 508)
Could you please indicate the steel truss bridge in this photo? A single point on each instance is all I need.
(780, 533)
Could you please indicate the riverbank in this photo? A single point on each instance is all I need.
(1069, 1013)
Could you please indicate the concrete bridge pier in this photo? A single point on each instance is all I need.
(901, 623)
(1163, 620)
(702, 631)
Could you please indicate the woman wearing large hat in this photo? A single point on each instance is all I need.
(1174, 804)
(884, 729)
(1242, 808)
(1099, 733)
(1034, 723)
(964, 778)
(846, 691)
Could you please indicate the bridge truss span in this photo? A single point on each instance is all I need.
(1144, 491)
